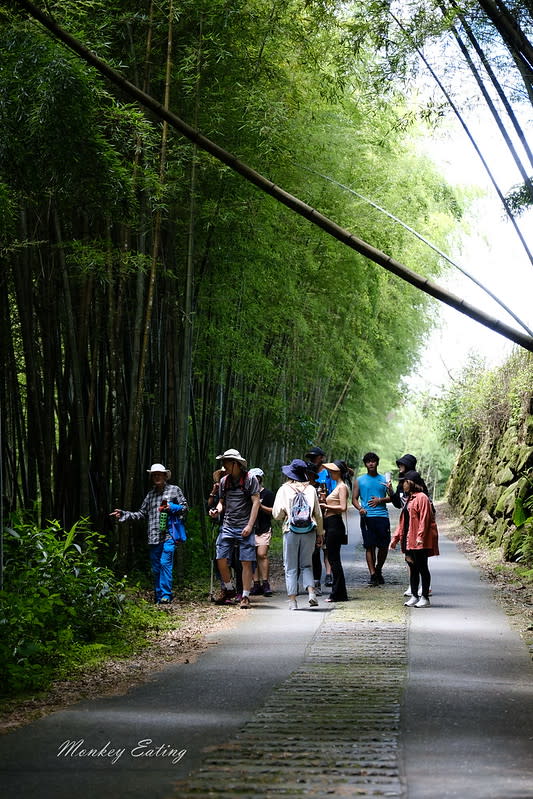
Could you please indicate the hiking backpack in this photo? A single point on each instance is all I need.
(301, 516)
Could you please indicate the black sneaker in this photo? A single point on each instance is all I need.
(373, 580)
(379, 575)
(328, 582)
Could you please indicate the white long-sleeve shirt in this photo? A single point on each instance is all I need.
(285, 497)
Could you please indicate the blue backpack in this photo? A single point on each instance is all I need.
(301, 516)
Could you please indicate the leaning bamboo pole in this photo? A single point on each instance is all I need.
(279, 194)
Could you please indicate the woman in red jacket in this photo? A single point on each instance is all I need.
(418, 537)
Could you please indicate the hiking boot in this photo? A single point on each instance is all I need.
(245, 603)
(223, 595)
(328, 582)
(267, 591)
(257, 589)
(412, 602)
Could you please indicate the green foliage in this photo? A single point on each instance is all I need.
(483, 401)
(522, 542)
(198, 548)
(488, 412)
(55, 596)
(294, 337)
(519, 199)
(415, 428)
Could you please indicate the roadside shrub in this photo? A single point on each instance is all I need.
(522, 540)
(55, 596)
(197, 551)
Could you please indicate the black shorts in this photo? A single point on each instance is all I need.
(375, 531)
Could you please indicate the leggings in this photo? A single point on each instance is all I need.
(418, 568)
(335, 536)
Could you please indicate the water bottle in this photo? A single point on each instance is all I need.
(163, 519)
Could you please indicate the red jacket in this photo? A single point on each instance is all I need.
(423, 532)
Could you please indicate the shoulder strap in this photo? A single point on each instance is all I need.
(224, 480)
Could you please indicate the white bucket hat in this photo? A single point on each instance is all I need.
(232, 455)
(158, 467)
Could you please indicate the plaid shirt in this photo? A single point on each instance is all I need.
(150, 510)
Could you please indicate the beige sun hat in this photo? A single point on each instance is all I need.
(332, 467)
(232, 455)
(158, 467)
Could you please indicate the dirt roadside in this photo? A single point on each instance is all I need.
(198, 618)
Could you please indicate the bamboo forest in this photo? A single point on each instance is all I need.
(158, 308)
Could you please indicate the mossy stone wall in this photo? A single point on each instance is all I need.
(493, 469)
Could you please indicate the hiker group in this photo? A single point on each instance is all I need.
(311, 505)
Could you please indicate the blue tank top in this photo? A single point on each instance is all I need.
(372, 487)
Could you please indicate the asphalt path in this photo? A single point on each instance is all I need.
(467, 717)
(468, 708)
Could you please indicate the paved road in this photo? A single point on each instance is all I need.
(367, 700)
(468, 713)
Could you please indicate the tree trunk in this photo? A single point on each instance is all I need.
(82, 467)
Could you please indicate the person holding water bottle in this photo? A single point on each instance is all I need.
(163, 505)
(371, 492)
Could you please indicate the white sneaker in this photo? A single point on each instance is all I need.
(423, 603)
(313, 601)
(411, 602)
(293, 605)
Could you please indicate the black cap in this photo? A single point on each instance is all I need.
(411, 475)
(314, 452)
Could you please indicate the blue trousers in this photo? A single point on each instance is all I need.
(162, 561)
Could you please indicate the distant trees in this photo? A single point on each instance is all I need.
(157, 308)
